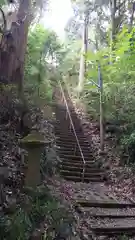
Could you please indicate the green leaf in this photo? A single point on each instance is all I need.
(34, 70)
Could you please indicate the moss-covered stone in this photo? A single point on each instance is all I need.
(34, 143)
(34, 138)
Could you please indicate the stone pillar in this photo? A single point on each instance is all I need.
(34, 143)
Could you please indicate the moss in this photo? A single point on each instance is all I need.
(34, 144)
(34, 138)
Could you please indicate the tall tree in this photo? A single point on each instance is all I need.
(20, 40)
(83, 62)
(13, 47)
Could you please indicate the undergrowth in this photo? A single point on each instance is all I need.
(38, 206)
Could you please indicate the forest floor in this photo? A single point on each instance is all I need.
(26, 213)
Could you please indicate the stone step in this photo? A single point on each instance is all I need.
(86, 179)
(62, 108)
(74, 153)
(72, 139)
(64, 118)
(64, 113)
(68, 153)
(111, 230)
(71, 144)
(78, 164)
(71, 134)
(73, 147)
(65, 130)
(71, 162)
(79, 174)
(87, 203)
(72, 114)
(67, 139)
(74, 157)
(78, 168)
(108, 212)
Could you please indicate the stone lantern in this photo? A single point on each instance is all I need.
(34, 144)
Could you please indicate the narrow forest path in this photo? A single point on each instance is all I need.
(101, 215)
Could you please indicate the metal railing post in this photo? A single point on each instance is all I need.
(70, 127)
(66, 115)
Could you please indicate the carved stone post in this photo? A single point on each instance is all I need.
(34, 144)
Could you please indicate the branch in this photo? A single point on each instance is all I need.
(3, 21)
(120, 5)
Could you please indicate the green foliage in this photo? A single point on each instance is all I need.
(43, 50)
(2, 2)
(117, 69)
(40, 206)
(114, 49)
(123, 237)
(71, 57)
(128, 145)
(118, 74)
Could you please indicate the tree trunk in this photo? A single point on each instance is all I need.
(113, 11)
(82, 69)
(13, 48)
(84, 50)
(5, 51)
(20, 34)
(132, 17)
(86, 22)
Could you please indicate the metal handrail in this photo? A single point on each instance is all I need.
(71, 122)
